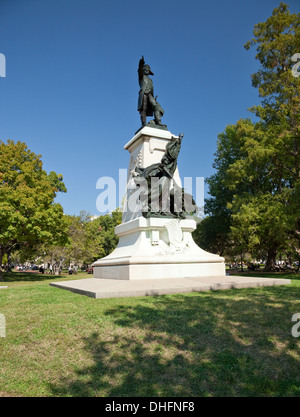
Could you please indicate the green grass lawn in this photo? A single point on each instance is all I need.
(221, 343)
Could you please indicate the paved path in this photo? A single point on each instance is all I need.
(110, 288)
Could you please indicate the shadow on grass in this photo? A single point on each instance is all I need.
(233, 343)
(27, 276)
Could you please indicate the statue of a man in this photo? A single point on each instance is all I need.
(147, 104)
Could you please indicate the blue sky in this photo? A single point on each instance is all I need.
(71, 88)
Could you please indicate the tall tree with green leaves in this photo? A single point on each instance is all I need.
(260, 182)
(213, 232)
(261, 220)
(276, 41)
(28, 213)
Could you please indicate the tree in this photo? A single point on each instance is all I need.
(213, 233)
(103, 231)
(82, 247)
(28, 214)
(88, 240)
(276, 41)
(260, 181)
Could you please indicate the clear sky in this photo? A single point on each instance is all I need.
(71, 87)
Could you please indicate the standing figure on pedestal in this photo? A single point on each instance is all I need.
(147, 104)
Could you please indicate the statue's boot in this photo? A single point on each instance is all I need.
(143, 118)
(157, 117)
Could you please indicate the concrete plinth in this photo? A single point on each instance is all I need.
(110, 288)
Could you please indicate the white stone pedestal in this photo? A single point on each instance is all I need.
(155, 248)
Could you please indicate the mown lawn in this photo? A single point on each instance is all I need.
(222, 343)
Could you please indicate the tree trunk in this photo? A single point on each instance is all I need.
(8, 262)
(270, 264)
(1, 256)
(56, 269)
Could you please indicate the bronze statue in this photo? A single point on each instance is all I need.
(162, 197)
(147, 104)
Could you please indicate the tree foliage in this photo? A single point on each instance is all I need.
(103, 231)
(28, 214)
(257, 163)
(88, 240)
(212, 233)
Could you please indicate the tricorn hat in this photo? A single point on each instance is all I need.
(146, 66)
